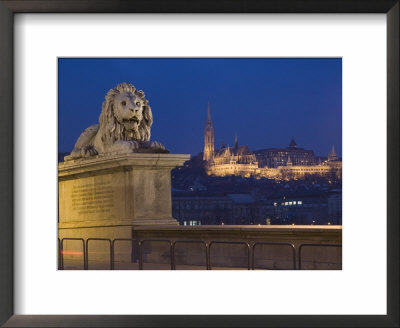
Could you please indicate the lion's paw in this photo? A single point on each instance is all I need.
(134, 144)
(88, 151)
(152, 145)
(125, 146)
(156, 145)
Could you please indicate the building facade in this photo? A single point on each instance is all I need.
(274, 163)
(236, 160)
(196, 208)
(275, 157)
(315, 209)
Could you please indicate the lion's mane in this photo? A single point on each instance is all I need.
(111, 130)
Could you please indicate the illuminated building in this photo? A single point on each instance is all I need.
(331, 167)
(274, 163)
(274, 157)
(332, 157)
(334, 163)
(236, 160)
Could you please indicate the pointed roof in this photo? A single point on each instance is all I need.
(208, 112)
(231, 151)
(236, 141)
(292, 143)
(209, 125)
(332, 153)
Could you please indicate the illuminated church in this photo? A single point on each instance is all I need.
(236, 160)
(289, 163)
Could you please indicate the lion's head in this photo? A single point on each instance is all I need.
(125, 115)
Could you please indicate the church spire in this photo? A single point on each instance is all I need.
(332, 155)
(236, 141)
(208, 112)
(208, 154)
(208, 120)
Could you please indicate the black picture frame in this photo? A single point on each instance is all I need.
(10, 7)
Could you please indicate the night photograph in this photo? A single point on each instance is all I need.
(200, 163)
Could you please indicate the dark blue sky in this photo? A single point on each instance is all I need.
(265, 101)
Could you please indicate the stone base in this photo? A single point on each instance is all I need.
(130, 189)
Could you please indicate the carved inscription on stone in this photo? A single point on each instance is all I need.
(90, 199)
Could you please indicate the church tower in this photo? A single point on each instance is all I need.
(208, 154)
(332, 155)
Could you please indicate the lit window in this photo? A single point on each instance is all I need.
(290, 203)
(300, 202)
(194, 222)
(294, 203)
(286, 203)
(184, 222)
(275, 204)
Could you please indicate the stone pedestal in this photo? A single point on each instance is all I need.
(107, 196)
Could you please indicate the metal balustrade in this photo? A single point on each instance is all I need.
(87, 251)
(274, 244)
(113, 249)
(153, 240)
(314, 245)
(61, 252)
(229, 243)
(172, 246)
(190, 242)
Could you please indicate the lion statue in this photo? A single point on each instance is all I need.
(124, 126)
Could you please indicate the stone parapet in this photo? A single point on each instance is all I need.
(290, 233)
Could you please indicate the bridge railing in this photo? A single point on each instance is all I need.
(171, 246)
(61, 251)
(315, 245)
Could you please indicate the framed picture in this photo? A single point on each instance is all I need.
(67, 298)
